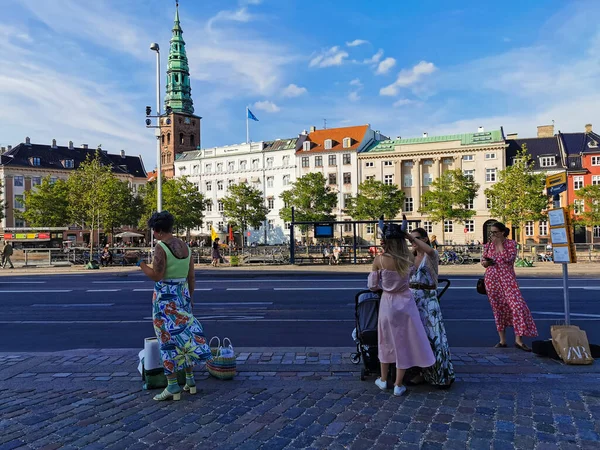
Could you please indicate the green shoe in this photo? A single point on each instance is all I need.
(166, 395)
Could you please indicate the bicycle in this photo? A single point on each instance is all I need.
(451, 257)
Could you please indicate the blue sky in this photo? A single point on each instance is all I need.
(83, 71)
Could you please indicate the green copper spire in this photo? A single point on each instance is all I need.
(179, 91)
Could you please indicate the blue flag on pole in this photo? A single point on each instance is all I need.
(250, 115)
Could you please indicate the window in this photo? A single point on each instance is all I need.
(370, 228)
(347, 198)
(36, 181)
(270, 203)
(490, 156)
(408, 164)
(243, 165)
(408, 180)
(488, 202)
(255, 163)
(578, 206)
(168, 138)
(181, 139)
(408, 204)
(529, 228)
(369, 164)
(208, 168)
(230, 166)
(543, 228)
(388, 163)
(577, 182)
(209, 225)
(163, 139)
(219, 167)
(193, 140)
(220, 205)
(468, 158)
(221, 226)
(333, 178)
(469, 173)
(18, 181)
(595, 180)
(318, 161)
(448, 226)
(195, 170)
(470, 204)
(209, 206)
(370, 177)
(271, 224)
(69, 163)
(19, 223)
(347, 159)
(230, 183)
(269, 163)
(219, 185)
(286, 160)
(347, 226)
(347, 143)
(19, 201)
(595, 160)
(270, 181)
(597, 231)
(305, 162)
(428, 225)
(548, 161)
(448, 161)
(490, 175)
(53, 180)
(332, 161)
(328, 144)
(470, 226)
(347, 178)
(388, 179)
(209, 186)
(427, 179)
(35, 161)
(286, 180)
(287, 225)
(306, 146)
(428, 162)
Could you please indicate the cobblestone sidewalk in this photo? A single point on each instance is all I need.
(297, 398)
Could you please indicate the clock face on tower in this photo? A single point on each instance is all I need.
(187, 120)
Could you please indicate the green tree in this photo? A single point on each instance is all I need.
(448, 198)
(518, 196)
(46, 205)
(375, 199)
(244, 206)
(312, 200)
(3, 205)
(119, 205)
(591, 200)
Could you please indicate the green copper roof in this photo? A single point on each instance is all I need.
(179, 91)
(483, 137)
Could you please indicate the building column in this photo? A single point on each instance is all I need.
(417, 184)
(437, 167)
(458, 162)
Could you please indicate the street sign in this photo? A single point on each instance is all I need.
(556, 179)
(557, 189)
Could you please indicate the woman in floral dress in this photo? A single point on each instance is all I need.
(423, 284)
(510, 310)
(179, 333)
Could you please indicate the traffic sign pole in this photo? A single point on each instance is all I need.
(565, 271)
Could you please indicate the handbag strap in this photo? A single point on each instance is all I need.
(228, 340)
(218, 340)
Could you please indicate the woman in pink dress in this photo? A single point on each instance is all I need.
(510, 310)
(401, 336)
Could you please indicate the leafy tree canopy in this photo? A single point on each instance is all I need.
(243, 206)
(375, 199)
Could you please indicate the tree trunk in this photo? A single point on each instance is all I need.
(443, 233)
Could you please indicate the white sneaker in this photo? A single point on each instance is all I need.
(381, 384)
(399, 390)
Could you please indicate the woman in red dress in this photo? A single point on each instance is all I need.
(510, 310)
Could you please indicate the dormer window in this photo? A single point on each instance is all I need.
(68, 163)
(328, 144)
(547, 161)
(347, 142)
(306, 146)
(592, 144)
(35, 161)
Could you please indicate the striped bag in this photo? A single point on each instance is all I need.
(222, 365)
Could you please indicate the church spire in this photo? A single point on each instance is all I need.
(179, 91)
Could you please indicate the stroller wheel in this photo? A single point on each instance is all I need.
(363, 374)
(355, 358)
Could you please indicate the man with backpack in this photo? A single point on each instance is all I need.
(6, 254)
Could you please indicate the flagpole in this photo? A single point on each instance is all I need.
(247, 127)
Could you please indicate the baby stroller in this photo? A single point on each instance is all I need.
(366, 310)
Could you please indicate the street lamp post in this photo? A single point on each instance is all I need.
(154, 47)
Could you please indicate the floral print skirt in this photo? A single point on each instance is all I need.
(442, 372)
(179, 333)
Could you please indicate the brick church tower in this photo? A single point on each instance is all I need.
(180, 128)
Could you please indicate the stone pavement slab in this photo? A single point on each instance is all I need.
(93, 399)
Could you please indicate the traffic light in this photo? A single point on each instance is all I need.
(148, 110)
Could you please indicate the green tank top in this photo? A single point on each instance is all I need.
(175, 267)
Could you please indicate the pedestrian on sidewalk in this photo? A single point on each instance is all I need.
(423, 285)
(508, 305)
(179, 333)
(401, 336)
(6, 254)
(216, 252)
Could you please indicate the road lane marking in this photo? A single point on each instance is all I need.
(103, 290)
(40, 291)
(152, 290)
(118, 281)
(317, 289)
(242, 289)
(22, 282)
(72, 305)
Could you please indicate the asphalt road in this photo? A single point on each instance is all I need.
(254, 309)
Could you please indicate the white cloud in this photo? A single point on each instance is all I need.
(267, 106)
(330, 57)
(241, 15)
(403, 102)
(294, 91)
(408, 77)
(356, 43)
(356, 82)
(353, 96)
(375, 58)
(385, 66)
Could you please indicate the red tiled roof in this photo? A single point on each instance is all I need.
(337, 135)
(152, 175)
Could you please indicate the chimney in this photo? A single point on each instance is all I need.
(123, 154)
(512, 135)
(70, 145)
(425, 135)
(313, 129)
(2, 149)
(85, 146)
(9, 148)
(588, 128)
(545, 131)
(53, 143)
(480, 130)
(377, 135)
(27, 141)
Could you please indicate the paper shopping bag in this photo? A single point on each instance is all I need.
(571, 344)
